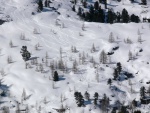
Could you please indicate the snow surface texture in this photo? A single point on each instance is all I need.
(51, 37)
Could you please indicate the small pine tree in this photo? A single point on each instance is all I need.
(109, 81)
(55, 77)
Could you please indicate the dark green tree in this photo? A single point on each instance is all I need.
(40, 5)
(115, 74)
(104, 103)
(105, 2)
(109, 81)
(110, 17)
(125, 16)
(101, 15)
(25, 53)
(119, 67)
(96, 95)
(55, 77)
(144, 2)
(73, 8)
(79, 11)
(95, 98)
(91, 11)
(79, 99)
(96, 5)
(142, 92)
(137, 111)
(46, 3)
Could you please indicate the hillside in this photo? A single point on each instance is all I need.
(50, 37)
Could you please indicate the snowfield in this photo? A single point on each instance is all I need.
(42, 94)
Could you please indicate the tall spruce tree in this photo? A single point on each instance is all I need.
(96, 5)
(125, 16)
(110, 17)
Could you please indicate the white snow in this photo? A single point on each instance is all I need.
(51, 37)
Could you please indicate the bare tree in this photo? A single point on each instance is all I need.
(103, 57)
(83, 58)
(138, 32)
(140, 39)
(129, 41)
(41, 68)
(46, 62)
(36, 47)
(97, 77)
(35, 31)
(53, 85)
(111, 38)
(74, 68)
(24, 96)
(26, 65)
(45, 100)
(9, 59)
(2, 72)
(46, 55)
(11, 43)
(93, 49)
(130, 55)
(22, 36)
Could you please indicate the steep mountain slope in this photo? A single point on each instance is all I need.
(39, 87)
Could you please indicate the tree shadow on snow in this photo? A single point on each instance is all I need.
(116, 89)
(32, 58)
(86, 102)
(61, 78)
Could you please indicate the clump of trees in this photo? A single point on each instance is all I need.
(79, 99)
(97, 14)
(25, 53)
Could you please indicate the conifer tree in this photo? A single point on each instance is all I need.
(96, 5)
(109, 81)
(55, 77)
(40, 5)
(119, 67)
(142, 92)
(115, 74)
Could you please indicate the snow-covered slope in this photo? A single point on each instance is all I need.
(67, 33)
